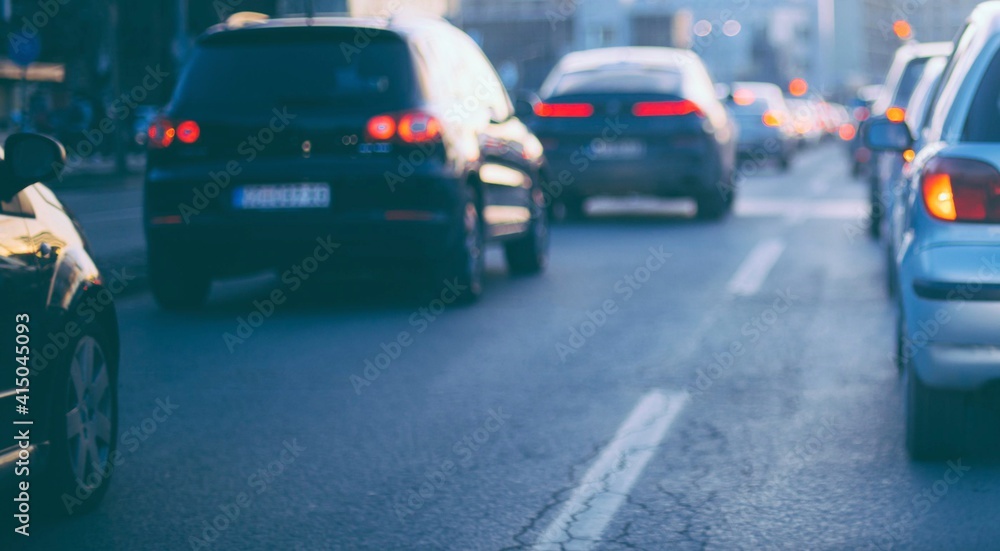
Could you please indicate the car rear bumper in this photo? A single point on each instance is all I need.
(658, 172)
(951, 300)
(417, 217)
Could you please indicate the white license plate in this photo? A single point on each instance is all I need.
(282, 196)
(622, 149)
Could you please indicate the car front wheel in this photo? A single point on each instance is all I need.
(84, 425)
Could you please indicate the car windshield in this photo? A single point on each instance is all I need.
(244, 76)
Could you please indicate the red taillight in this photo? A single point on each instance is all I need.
(381, 128)
(861, 114)
(665, 108)
(962, 190)
(564, 110)
(188, 132)
(161, 134)
(413, 127)
(418, 128)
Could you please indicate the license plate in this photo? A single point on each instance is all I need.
(282, 196)
(623, 149)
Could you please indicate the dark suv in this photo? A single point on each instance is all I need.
(392, 144)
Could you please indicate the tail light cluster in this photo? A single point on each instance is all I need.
(666, 109)
(676, 108)
(412, 127)
(163, 132)
(962, 190)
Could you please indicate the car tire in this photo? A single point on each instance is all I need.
(177, 285)
(81, 458)
(714, 205)
(529, 254)
(935, 420)
(467, 264)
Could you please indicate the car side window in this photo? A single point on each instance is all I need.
(947, 89)
(983, 120)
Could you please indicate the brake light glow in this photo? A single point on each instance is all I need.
(962, 190)
(665, 108)
(564, 110)
(895, 114)
(847, 132)
(772, 119)
(418, 128)
(161, 134)
(381, 128)
(188, 132)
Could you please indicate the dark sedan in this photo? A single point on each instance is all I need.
(622, 121)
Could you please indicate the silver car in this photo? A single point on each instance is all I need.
(948, 258)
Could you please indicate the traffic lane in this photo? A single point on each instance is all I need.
(291, 380)
(799, 441)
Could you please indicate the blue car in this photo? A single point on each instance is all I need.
(948, 262)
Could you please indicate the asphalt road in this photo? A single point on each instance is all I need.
(667, 384)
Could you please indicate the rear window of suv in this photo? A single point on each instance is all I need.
(619, 80)
(308, 69)
(908, 83)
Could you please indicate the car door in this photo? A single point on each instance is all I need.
(503, 141)
(18, 304)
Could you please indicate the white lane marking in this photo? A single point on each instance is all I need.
(754, 271)
(822, 209)
(603, 489)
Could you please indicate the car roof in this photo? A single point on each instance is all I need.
(588, 60)
(403, 24)
(913, 50)
(988, 14)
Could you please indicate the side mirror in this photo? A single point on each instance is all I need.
(524, 104)
(29, 158)
(881, 134)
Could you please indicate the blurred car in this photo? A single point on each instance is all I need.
(907, 67)
(893, 168)
(643, 120)
(767, 129)
(860, 109)
(948, 337)
(406, 155)
(64, 344)
(807, 120)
